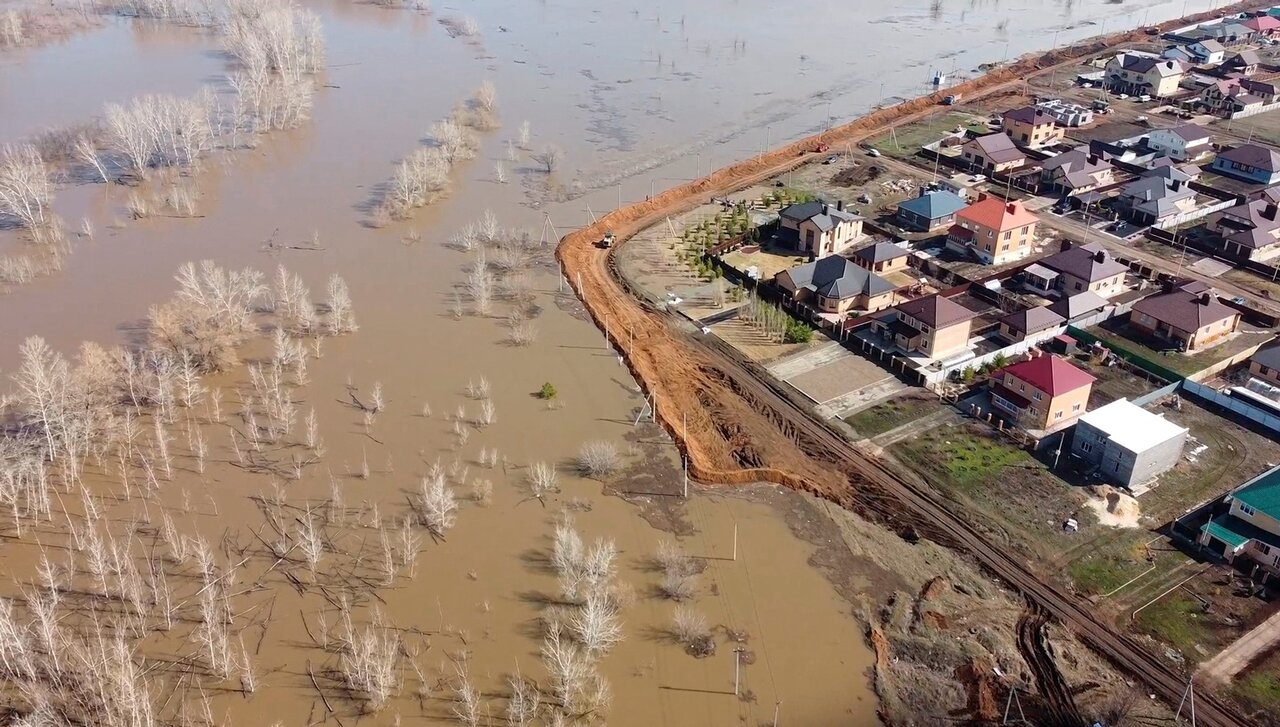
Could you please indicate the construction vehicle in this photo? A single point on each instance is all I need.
(951, 100)
(606, 242)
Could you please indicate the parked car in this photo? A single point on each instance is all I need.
(873, 152)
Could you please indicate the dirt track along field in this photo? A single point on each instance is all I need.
(736, 425)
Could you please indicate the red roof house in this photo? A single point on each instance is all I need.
(1043, 392)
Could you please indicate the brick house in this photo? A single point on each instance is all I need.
(1250, 527)
(993, 230)
(834, 284)
(1190, 317)
(1086, 267)
(1043, 392)
(817, 228)
(934, 326)
(992, 154)
(1031, 127)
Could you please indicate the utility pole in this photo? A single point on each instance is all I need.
(735, 542)
(686, 454)
(1188, 695)
(737, 667)
(777, 707)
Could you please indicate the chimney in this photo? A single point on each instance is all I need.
(1100, 256)
(1175, 185)
(1093, 159)
(1011, 208)
(825, 208)
(1205, 298)
(982, 196)
(1270, 211)
(1066, 245)
(840, 205)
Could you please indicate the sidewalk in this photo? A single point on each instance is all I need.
(1233, 659)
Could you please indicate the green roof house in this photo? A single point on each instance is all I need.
(1251, 526)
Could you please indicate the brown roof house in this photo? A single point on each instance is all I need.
(818, 228)
(1077, 171)
(1190, 317)
(1018, 327)
(1159, 195)
(1249, 231)
(1086, 267)
(1265, 363)
(1233, 95)
(1249, 162)
(836, 285)
(1043, 393)
(882, 257)
(1245, 62)
(934, 327)
(992, 153)
(1031, 127)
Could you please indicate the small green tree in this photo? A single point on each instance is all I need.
(999, 361)
(547, 392)
(968, 375)
(798, 332)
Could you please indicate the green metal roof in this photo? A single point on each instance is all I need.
(1263, 494)
(1236, 532)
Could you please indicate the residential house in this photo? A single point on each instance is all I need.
(1031, 127)
(1265, 363)
(992, 154)
(930, 211)
(1075, 307)
(1043, 392)
(1018, 327)
(1139, 74)
(1179, 53)
(994, 230)
(818, 228)
(882, 257)
(1076, 171)
(1126, 443)
(933, 326)
(834, 284)
(1208, 52)
(1229, 33)
(1245, 62)
(1066, 113)
(1264, 25)
(1233, 95)
(1180, 142)
(1158, 195)
(1250, 527)
(1249, 162)
(1250, 230)
(1087, 267)
(1189, 317)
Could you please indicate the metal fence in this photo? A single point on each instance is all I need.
(1234, 404)
(1133, 357)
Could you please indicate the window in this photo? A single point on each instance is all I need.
(1275, 560)
(1075, 407)
(924, 342)
(1079, 286)
(1247, 510)
(1264, 548)
(1008, 234)
(1004, 247)
(1058, 414)
(1263, 370)
(1038, 396)
(1086, 447)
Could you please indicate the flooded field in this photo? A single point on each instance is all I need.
(636, 99)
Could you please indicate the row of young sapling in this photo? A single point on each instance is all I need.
(773, 322)
(277, 48)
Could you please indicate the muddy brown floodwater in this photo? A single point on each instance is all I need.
(639, 99)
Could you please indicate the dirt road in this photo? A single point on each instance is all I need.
(736, 425)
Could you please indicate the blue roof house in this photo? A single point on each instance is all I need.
(1251, 526)
(930, 211)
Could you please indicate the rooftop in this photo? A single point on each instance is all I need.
(998, 147)
(1131, 427)
(1268, 355)
(1262, 493)
(1078, 304)
(1089, 262)
(937, 311)
(1028, 115)
(1033, 320)
(1050, 374)
(880, 252)
(996, 214)
(1185, 310)
(837, 277)
(1253, 155)
(1236, 532)
(935, 204)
